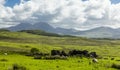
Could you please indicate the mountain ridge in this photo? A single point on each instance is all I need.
(99, 32)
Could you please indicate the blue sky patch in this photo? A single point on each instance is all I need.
(11, 3)
(115, 1)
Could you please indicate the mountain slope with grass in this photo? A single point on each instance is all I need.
(18, 44)
(17, 41)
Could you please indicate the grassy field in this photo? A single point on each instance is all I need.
(19, 42)
(70, 64)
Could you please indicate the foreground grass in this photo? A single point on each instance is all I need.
(70, 64)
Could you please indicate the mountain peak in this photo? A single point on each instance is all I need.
(99, 32)
(29, 26)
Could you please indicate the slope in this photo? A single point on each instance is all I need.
(22, 42)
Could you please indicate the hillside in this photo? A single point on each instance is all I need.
(41, 32)
(17, 41)
(50, 38)
(101, 32)
(18, 44)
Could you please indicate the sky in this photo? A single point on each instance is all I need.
(75, 14)
(115, 1)
(11, 3)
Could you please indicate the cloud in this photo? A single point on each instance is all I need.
(2, 2)
(77, 14)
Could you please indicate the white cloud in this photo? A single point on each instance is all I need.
(76, 14)
(115, 12)
(2, 2)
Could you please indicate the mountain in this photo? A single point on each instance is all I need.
(100, 32)
(36, 26)
(65, 31)
(42, 26)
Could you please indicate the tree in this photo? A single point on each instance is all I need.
(34, 50)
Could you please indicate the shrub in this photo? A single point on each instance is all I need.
(18, 67)
(4, 60)
(117, 66)
(55, 52)
(34, 50)
(63, 53)
(112, 58)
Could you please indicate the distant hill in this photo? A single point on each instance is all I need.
(100, 32)
(41, 32)
(28, 26)
(42, 26)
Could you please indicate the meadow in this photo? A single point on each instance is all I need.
(70, 64)
(16, 44)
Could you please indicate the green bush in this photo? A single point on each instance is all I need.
(34, 51)
(117, 66)
(18, 67)
(4, 60)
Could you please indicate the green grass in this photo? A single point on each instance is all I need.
(23, 42)
(104, 50)
(70, 64)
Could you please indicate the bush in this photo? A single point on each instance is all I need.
(117, 66)
(4, 60)
(55, 52)
(18, 67)
(34, 51)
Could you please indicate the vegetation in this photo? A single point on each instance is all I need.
(34, 51)
(117, 66)
(4, 30)
(18, 67)
(18, 44)
(40, 32)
